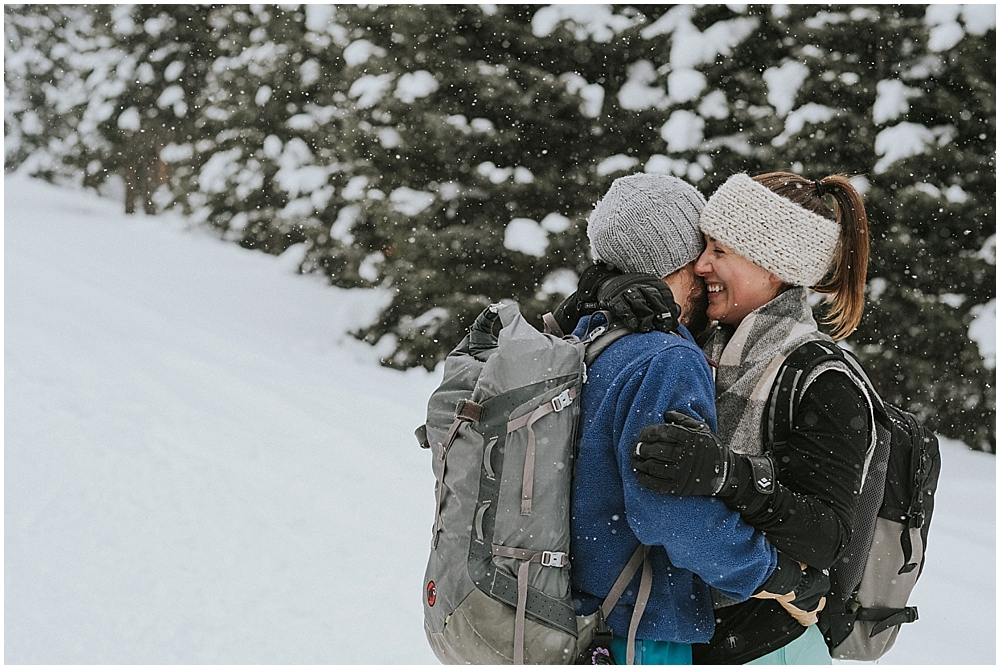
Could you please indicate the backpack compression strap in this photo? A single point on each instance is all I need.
(640, 558)
(546, 559)
(914, 514)
(886, 618)
(556, 404)
(467, 411)
(596, 343)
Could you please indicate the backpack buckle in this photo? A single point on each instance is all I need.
(561, 401)
(553, 559)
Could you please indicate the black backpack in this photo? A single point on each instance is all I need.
(872, 579)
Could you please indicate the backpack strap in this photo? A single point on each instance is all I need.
(596, 340)
(886, 617)
(601, 339)
(546, 559)
(792, 375)
(552, 325)
(556, 404)
(639, 558)
(779, 413)
(784, 397)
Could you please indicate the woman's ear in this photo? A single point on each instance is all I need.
(778, 285)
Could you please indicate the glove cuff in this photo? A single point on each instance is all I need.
(762, 473)
(750, 477)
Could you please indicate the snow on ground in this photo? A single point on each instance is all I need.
(199, 466)
(202, 467)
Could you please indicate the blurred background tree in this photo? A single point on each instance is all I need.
(450, 154)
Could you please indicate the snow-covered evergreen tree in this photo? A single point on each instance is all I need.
(471, 169)
(56, 60)
(902, 97)
(933, 186)
(156, 88)
(253, 169)
(452, 154)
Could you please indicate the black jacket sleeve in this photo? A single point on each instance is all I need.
(810, 515)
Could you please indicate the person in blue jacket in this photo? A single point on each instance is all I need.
(648, 224)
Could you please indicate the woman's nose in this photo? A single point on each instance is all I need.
(703, 265)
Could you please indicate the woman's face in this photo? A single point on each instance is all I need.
(735, 285)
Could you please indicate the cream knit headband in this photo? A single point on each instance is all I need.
(787, 240)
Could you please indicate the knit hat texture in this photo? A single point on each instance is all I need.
(647, 223)
(771, 231)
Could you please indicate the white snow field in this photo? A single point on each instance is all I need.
(202, 467)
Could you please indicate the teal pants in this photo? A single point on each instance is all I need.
(648, 651)
(810, 648)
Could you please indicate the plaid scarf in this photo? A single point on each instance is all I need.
(748, 362)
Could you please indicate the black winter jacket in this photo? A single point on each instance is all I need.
(809, 517)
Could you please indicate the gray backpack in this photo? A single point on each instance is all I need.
(502, 429)
(874, 575)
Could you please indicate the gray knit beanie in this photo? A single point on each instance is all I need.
(647, 223)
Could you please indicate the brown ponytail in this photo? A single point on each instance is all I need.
(845, 285)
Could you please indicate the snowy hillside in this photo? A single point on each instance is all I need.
(202, 467)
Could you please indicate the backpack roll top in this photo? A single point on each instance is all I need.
(873, 577)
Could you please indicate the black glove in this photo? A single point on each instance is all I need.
(813, 586)
(789, 576)
(799, 589)
(642, 301)
(481, 336)
(584, 301)
(683, 456)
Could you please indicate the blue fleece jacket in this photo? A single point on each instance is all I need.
(696, 541)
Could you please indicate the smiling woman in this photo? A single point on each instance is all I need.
(735, 285)
(781, 224)
(769, 239)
